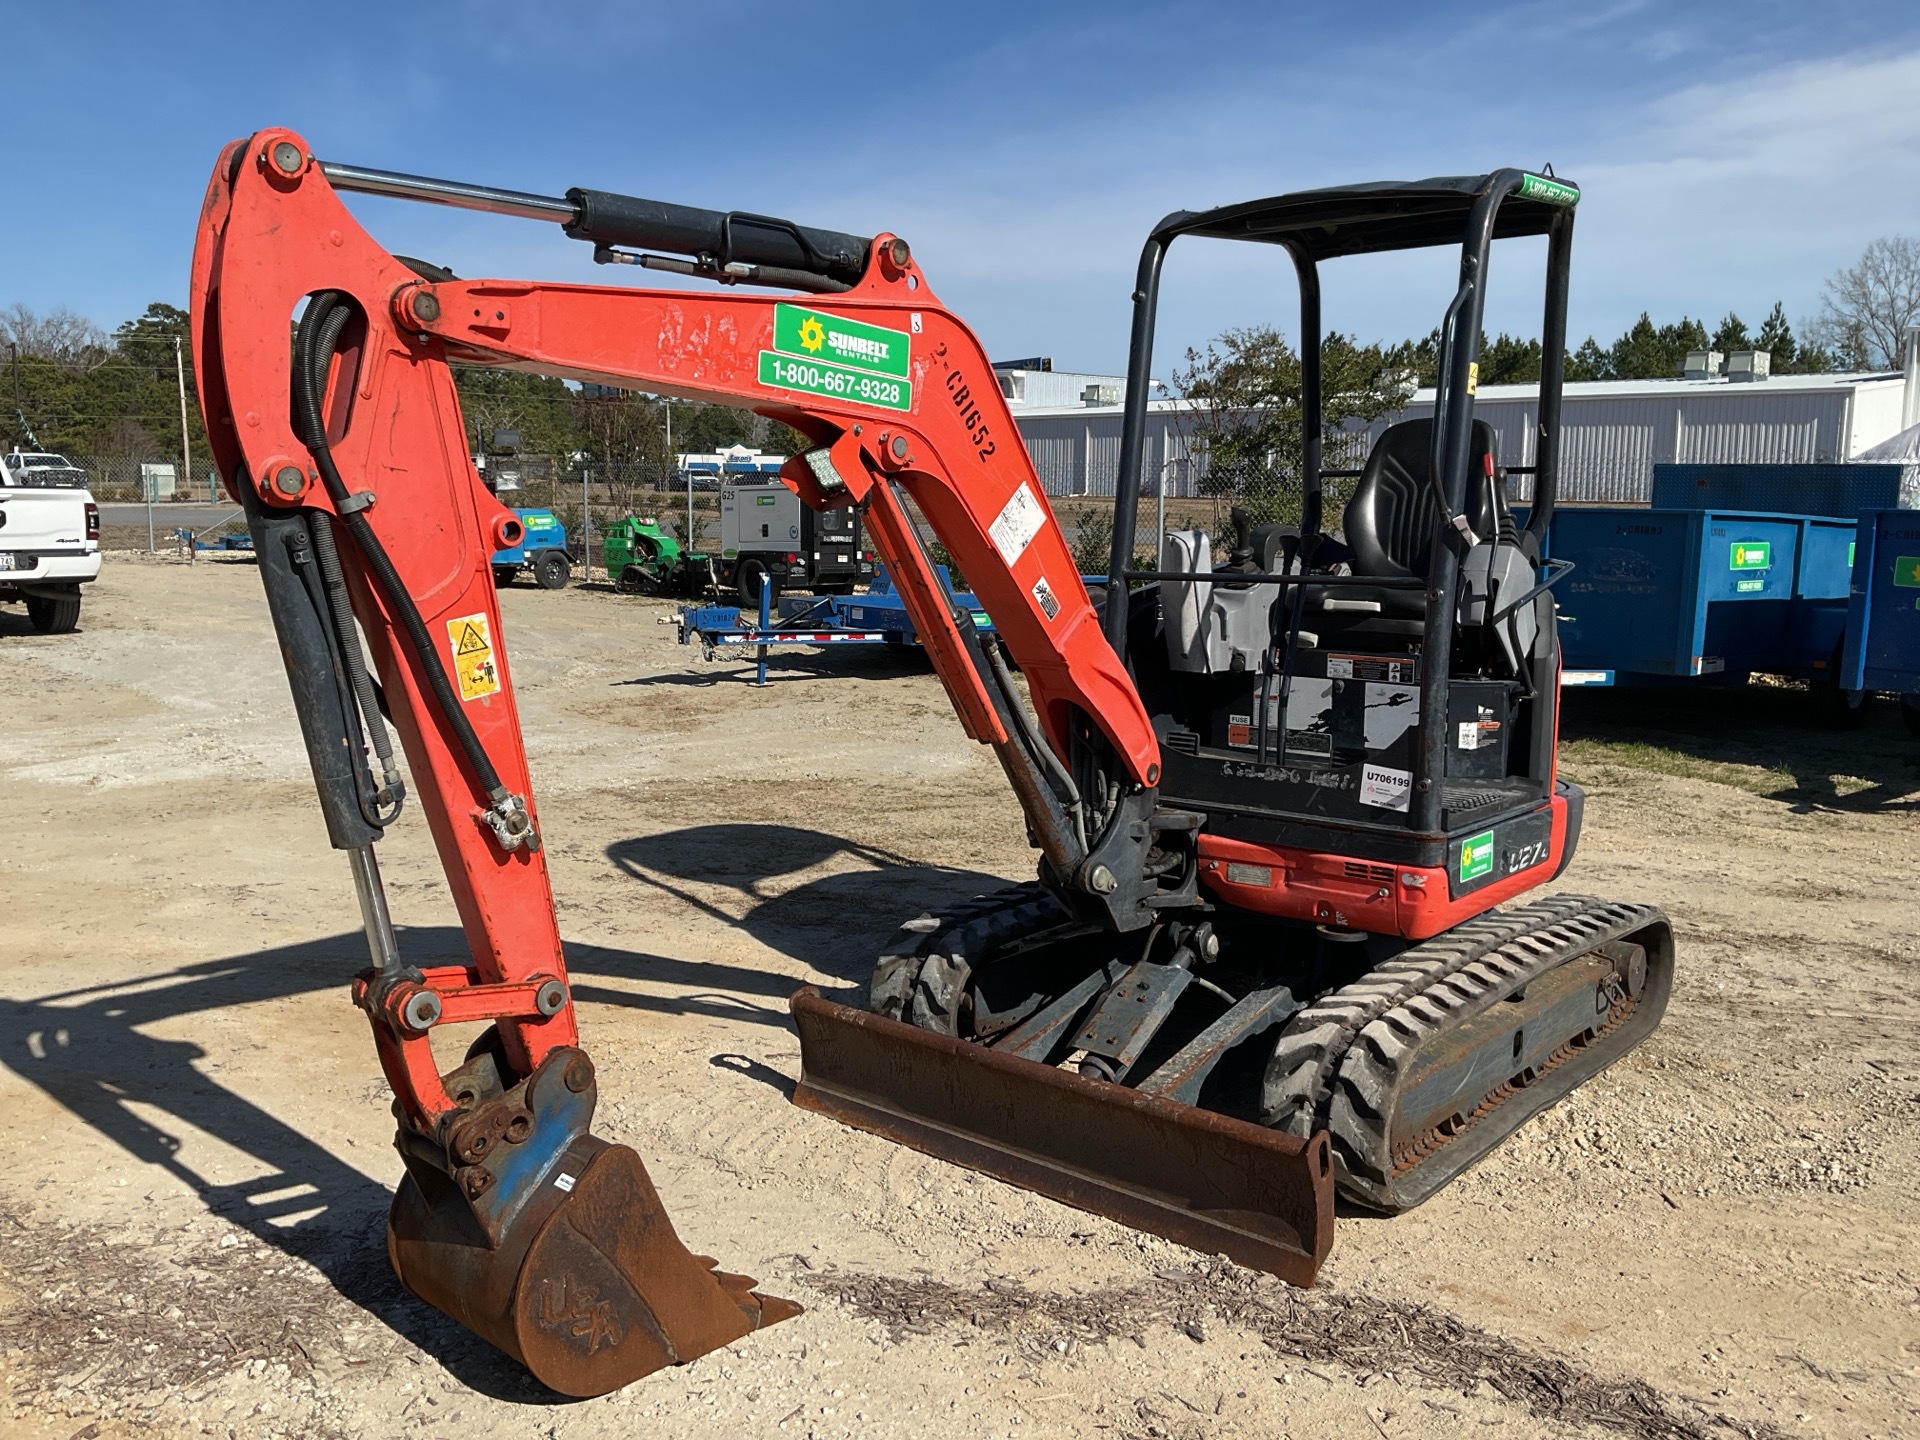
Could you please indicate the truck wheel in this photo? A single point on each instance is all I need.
(749, 578)
(503, 576)
(551, 570)
(54, 614)
(1910, 712)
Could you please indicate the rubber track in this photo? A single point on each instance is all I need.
(1411, 1153)
(1336, 1063)
(922, 975)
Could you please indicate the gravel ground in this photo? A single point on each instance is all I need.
(1715, 1238)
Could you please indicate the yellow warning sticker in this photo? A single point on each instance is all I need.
(473, 664)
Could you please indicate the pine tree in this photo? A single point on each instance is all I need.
(1732, 335)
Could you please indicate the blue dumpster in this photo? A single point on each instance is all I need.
(1883, 612)
(1679, 594)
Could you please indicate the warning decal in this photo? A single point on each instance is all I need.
(1019, 522)
(473, 666)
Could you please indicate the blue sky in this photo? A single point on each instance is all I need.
(1730, 154)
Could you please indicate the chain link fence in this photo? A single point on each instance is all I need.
(133, 478)
(576, 492)
(1275, 493)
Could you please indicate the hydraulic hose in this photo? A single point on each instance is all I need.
(315, 341)
(302, 552)
(393, 789)
(1036, 742)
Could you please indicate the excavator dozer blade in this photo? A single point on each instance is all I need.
(1219, 1185)
(574, 1269)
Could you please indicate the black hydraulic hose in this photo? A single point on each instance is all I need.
(318, 335)
(303, 553)
(393, 790)
(1036, 742)
(1297, 602)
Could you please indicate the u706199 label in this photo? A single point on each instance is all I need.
(817, 377)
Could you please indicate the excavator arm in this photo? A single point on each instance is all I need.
(348, 451)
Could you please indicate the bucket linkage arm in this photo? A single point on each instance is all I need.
(348, 454)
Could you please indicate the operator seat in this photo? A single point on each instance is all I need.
(1389, 526)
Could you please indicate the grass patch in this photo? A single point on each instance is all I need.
(1581, 758)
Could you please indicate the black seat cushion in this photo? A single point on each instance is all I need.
(1389, 525)
(1389, 521)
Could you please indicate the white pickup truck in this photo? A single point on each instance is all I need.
(49, 542)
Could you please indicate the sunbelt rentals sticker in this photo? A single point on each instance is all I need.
(1476, 856)
(839, 358)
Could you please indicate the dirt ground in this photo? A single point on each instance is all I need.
(1718, 1237)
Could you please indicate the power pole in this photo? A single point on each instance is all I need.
(673, 463)
(186, 446)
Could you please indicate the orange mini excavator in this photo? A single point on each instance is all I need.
(1278, 794)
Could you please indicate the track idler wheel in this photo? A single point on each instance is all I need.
(553, 1245)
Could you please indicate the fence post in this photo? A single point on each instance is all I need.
(186, 446)
(1160, 540)
(766, 622)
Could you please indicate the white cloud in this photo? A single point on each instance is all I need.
(1735, 194)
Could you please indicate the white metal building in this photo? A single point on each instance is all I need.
(1612, 432)
(1035, 385)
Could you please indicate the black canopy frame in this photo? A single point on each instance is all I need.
(1317, 225)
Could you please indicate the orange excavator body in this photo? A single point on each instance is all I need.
(349, 453)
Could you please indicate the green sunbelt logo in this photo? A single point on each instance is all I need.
(1476, 856)
(1906, 572)
(1750, 555)
(814, 335)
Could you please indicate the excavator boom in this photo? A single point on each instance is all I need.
(349, 453)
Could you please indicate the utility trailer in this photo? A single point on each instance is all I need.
(192, 545)
(878, 617)
(1714, 584)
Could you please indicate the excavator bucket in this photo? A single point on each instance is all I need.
(565, 1259)
(1219, 1185)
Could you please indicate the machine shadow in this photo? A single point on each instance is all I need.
(754, 1070)
(835, 924)
(1772, 728)
(89, 1051)
(99, 1052)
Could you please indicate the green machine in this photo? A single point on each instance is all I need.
(644, 559)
